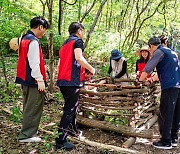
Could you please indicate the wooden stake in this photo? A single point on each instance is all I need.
(147, 125)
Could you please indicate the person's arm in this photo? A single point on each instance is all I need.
(34, 63)
(110, 68)
(151, 64)
(82, 61)
(136, 66)
(123, 71)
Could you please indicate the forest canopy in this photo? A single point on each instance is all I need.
(109, 24)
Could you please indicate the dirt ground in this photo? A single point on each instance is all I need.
(10, 145)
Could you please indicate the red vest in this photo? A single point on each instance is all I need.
(23, 69)
(70, 73)
(140, 68)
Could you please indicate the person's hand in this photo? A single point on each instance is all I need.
(108, 75)
(41, 86)
(150, 80)
(92, 71)
(112, 79)
(88, 75)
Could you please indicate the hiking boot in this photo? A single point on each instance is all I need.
(32, 139)
(174, 142)
(162, 145)
(64, 146)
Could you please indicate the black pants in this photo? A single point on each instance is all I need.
(71, 96)
(169, 114)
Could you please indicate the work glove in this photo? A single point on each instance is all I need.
(41, 86)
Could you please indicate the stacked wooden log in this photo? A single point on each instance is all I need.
(135, 103)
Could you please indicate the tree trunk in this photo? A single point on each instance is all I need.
(79, 10)
(44, 7)
(94, 23)
(50, 47)
(129, 131)
(4, 69)
(60, 16)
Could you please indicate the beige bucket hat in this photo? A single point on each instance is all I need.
(144, 48)
(14, 43)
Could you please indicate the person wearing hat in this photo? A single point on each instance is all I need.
(32, 77)
(14, 42)
(168, 69)
(118, 65)
(144, 55)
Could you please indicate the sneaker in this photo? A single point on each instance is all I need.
(75, 132)
(64, 146)
(32, 139)
(162, 145)
(174, 142)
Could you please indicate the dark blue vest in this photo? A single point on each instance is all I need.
(168, 69)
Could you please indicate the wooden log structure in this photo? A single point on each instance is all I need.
(136, 101)
(129, 131)
(124, 92)
(106, 113)
(146, 126)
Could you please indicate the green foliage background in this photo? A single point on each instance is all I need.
(107, 35)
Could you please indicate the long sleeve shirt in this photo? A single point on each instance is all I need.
(122, 72)
(34, 60)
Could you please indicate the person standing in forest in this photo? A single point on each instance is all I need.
(168, 69)
(32, 76)
(71, 74)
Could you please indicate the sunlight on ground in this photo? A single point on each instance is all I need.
(144, 141)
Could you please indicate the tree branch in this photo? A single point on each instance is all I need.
(94, 23)
(69, 3)
(86, 13)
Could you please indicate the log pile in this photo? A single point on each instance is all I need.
(134, 104)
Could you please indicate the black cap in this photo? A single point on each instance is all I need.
(154, 41)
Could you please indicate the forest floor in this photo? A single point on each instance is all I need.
(10, 125)
(10, 145)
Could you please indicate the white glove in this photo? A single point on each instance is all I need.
(93, 71)
(41, 86)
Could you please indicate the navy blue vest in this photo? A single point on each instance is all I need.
(168, 69)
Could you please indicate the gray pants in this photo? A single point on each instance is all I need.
(33, 102)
